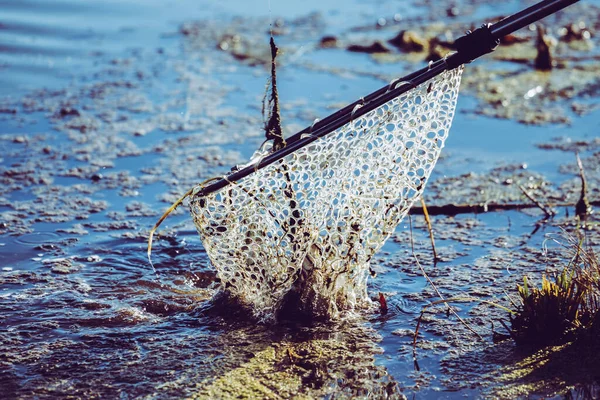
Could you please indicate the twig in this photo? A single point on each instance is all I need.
(274, 131)
(549, 212)
(510, 332)
(443, 300)
(583, 207)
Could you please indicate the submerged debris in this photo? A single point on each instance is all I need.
(62, 265)
(575, 32)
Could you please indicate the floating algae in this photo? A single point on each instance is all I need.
(319, 364)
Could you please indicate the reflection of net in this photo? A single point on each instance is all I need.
(310, 223)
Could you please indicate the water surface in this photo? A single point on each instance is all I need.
(110, 111)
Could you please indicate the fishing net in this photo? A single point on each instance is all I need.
(306, 226)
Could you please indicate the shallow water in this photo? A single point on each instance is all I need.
(109, 112)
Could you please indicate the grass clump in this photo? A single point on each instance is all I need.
(565, 307)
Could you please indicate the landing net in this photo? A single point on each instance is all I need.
(307, 226)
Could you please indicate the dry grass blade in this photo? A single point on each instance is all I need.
(430, 229)
(160, 221)
(548, 211)
(169, 211)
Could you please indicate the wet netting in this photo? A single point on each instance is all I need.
(306, 226)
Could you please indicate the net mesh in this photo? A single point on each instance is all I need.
(307, 226)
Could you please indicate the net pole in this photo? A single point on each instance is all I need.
(527, 16)
(350, 107)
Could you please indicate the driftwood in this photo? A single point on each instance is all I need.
(454, 209)
(583, 207)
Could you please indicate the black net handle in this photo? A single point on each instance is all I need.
(468, 48)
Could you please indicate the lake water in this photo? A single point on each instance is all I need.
(109, 111)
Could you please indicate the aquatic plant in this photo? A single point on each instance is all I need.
(566, 305)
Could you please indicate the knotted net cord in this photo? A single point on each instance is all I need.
(308, 225)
